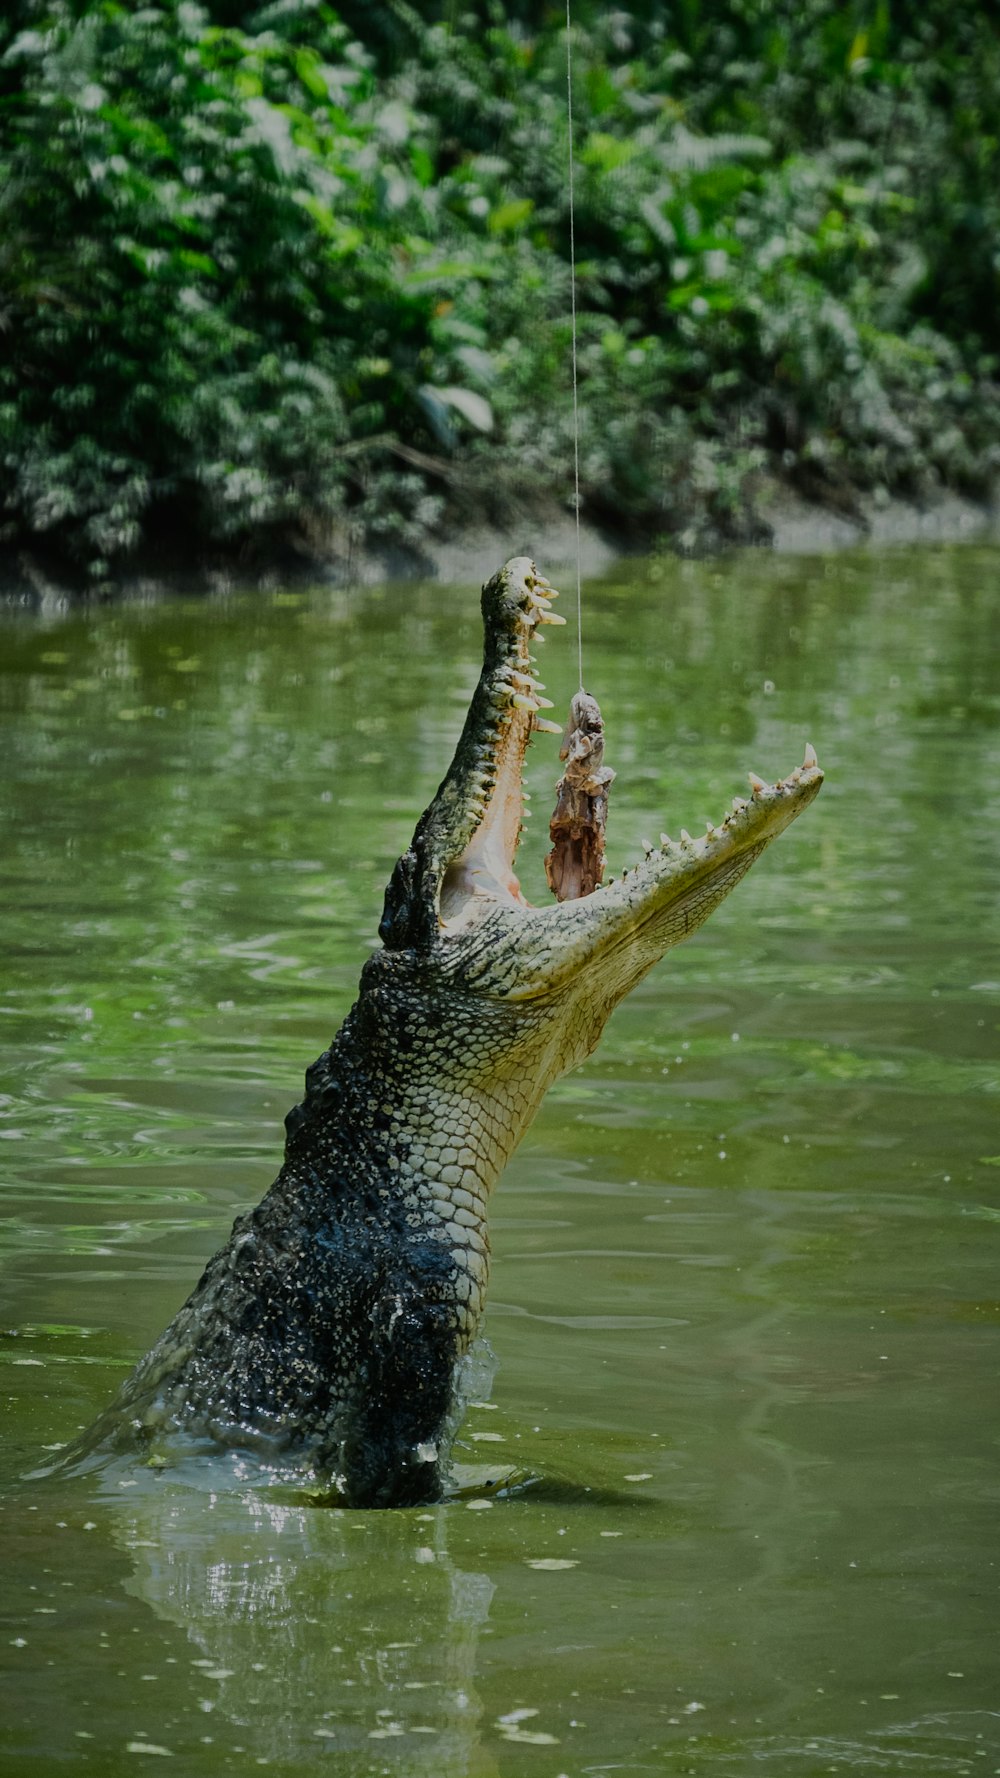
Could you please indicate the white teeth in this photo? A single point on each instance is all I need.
(794, 777)
(550, 617)
(739, 804)
(544, 703)
(710, 831)
(686, 839)
(520, 702)
(524, 679)
(810, 758)
(665, 840)
(544, 727)
(757, 783)
(647, 848)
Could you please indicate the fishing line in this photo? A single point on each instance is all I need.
(572, 287)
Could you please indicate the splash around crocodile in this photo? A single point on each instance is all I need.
(334, 1324)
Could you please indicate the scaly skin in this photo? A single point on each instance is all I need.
(333, 1321)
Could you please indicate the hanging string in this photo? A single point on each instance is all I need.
(572, 286)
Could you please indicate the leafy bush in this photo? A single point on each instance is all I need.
(276, 273)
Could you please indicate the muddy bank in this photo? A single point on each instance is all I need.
(469, 556)
(803, 528)
(797, 527)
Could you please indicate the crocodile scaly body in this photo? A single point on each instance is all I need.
(333, 1322)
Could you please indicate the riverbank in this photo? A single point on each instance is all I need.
(797, 527)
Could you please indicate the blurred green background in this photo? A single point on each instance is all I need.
(289, 274)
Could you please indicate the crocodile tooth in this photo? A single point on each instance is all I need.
(686, 839)
(550, 617)
(794, 777)
(525, 679)
(544, 727)
(756, 783)
(647, 848)
(526, 814)
(544, 703)
(739, 804)
(810, 758)
(520, 702)
(710, 831)
(665, 841)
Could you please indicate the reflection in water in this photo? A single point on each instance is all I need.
(354, 1632)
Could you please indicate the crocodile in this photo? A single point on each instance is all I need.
(334, 1322)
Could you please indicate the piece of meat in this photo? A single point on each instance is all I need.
(575, 865)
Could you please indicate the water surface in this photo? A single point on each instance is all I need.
(744, 1300)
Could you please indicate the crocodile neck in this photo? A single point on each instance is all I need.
(396, 1111)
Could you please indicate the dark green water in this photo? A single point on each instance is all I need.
(744, 1297)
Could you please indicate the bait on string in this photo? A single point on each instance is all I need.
(575, 865)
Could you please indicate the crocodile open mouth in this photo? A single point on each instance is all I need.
(513, 700)
(487, 775)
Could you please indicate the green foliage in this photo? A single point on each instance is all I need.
(269, 273)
